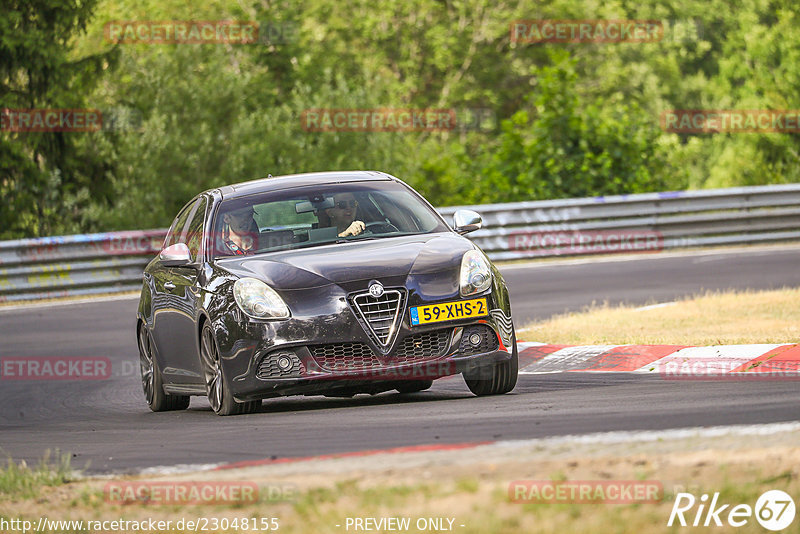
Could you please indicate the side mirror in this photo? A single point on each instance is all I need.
(466, 221)
(176, 255)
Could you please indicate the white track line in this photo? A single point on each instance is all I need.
(522, 345)
(67, 302)
(657, 435)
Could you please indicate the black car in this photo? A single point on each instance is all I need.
(333, 283)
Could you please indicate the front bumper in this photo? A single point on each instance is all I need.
(333, 353)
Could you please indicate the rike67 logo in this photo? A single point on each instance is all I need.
(774, 510)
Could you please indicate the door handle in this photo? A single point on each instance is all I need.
(169, 286)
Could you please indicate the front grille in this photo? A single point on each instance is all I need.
(269, 368)
(488, 342)
(344, 356)
(349, 356)
(380, 314)
(423, 346)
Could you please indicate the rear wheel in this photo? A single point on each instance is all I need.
(500, 378)
(219, 393)
(152, 384)
(415, 386)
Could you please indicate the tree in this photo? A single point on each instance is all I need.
(43, 175)
(567, 145)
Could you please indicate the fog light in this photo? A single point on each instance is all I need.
(284, 363)
(475, 339)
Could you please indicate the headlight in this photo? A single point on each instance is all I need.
(476, 277)
(258, 300)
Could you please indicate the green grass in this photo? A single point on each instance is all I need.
(18, 480)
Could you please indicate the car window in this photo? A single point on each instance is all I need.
(179, 224)
(194, 230)
(312, 216)
(280, 214)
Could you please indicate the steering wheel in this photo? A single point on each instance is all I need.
(380, 227)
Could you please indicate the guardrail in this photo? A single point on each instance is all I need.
(109, 262)
(75, 265)
(638, 223)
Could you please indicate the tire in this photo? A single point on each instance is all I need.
(152, 384)
(217, 388)
(415, 386)
(503, 375)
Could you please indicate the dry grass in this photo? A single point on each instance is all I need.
(474, 493)
(710, 319)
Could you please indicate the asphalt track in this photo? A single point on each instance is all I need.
(106, 425)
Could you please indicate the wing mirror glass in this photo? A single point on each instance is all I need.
(175, 255)
(465, 221)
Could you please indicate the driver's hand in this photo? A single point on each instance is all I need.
(355, 228)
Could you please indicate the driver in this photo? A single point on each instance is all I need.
(240, 232)
(343, 215)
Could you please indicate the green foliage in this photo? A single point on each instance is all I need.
(22, 481)
(46, 178)
(567, 145)
(572, 119)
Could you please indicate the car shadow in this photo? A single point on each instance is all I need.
(319, 402)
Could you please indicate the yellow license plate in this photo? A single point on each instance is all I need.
(448, 311)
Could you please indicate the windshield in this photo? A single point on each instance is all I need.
(313, 216)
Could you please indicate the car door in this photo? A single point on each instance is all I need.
(175, 303)
(185, 343)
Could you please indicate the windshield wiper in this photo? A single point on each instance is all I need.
(356, 238)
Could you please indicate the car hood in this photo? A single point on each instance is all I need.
(381, 259)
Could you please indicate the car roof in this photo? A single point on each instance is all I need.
(276, 183)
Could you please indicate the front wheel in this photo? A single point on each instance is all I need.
(500, 378)
(152, 384)
(219, 393)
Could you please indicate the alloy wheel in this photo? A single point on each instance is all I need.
(146, 365)
(212, 370)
